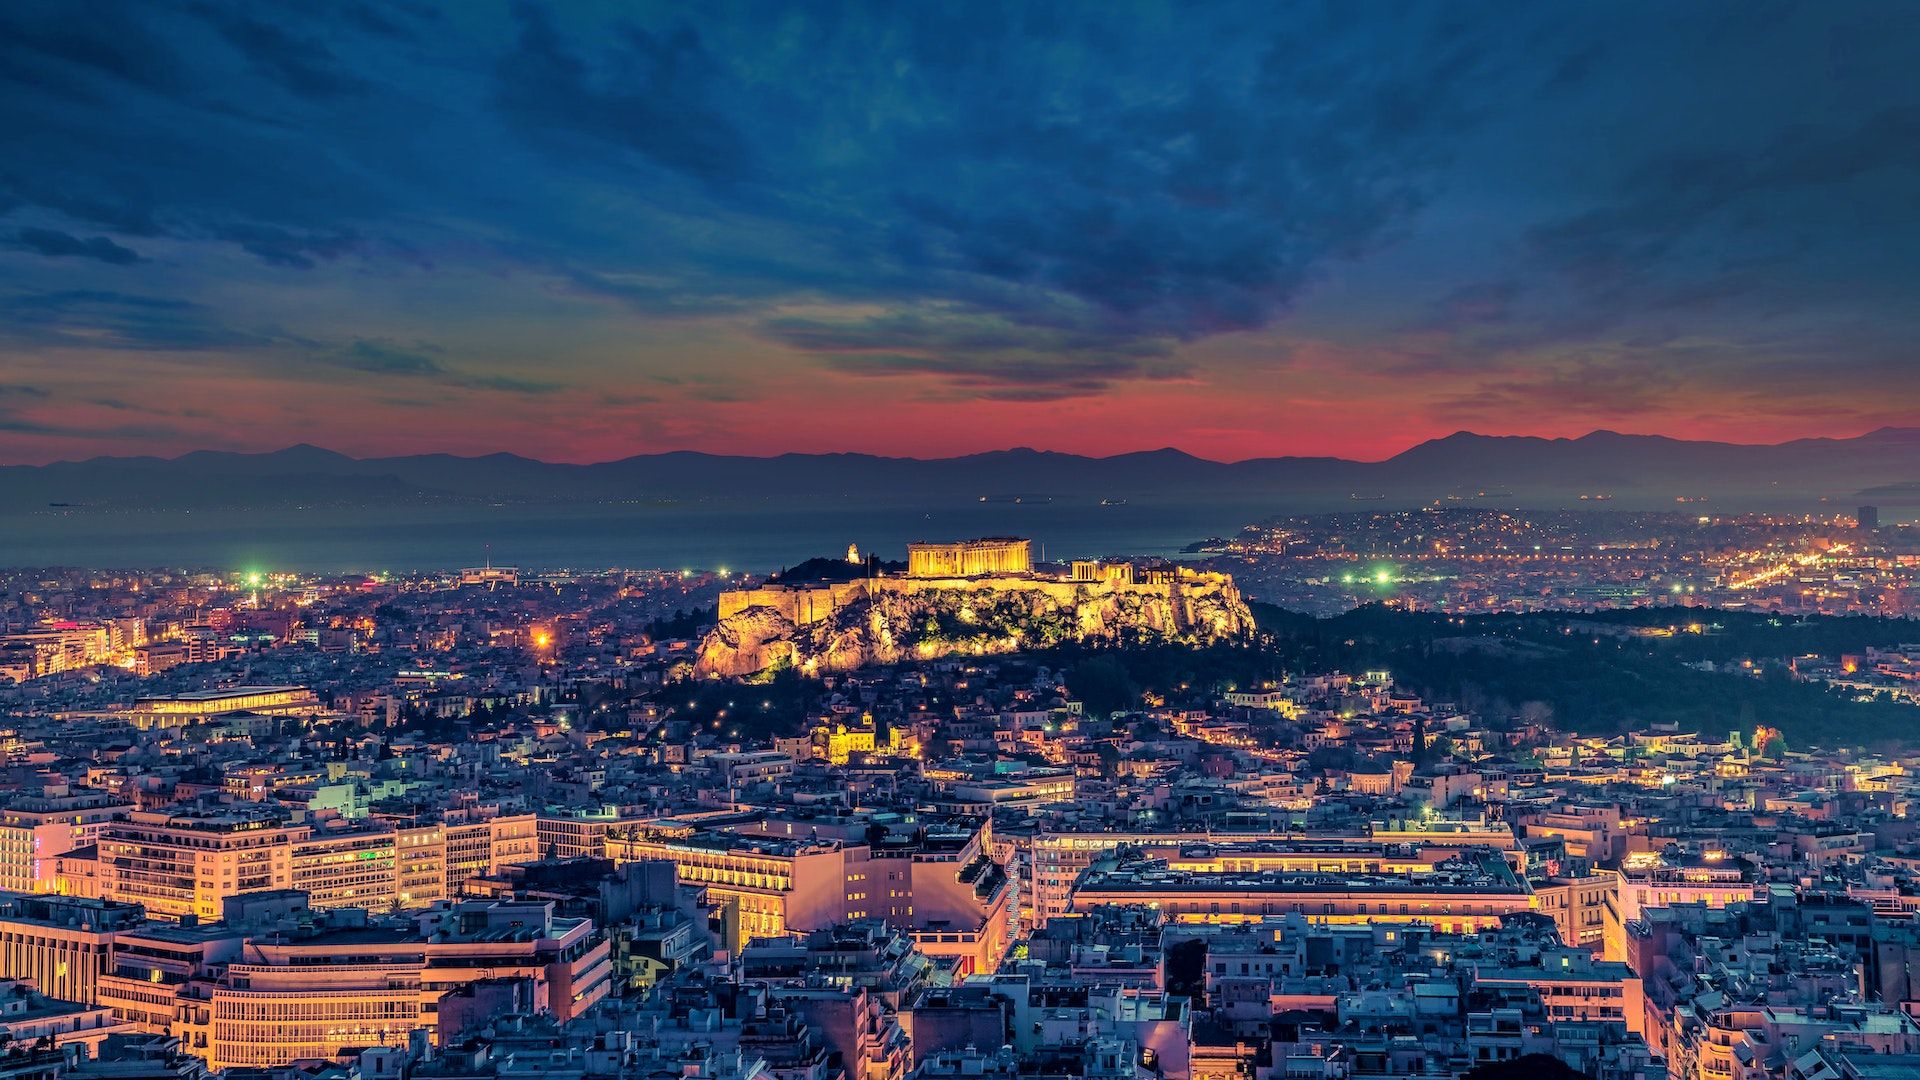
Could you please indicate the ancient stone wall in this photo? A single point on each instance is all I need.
(886, 620)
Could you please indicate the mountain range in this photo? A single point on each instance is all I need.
(1629, 470)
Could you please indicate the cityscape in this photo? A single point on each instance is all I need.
(846, 541)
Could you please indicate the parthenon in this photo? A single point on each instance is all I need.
(970, 558)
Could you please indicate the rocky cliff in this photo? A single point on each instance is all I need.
(886, 621)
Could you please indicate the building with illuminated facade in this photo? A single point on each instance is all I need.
(1057, 859)
(580, 832)
(61, 944)
(970, 558)
(28, 1016)
(840, 741)
(772, 885)
(68, 646)
(479, 844)
(1460, 893)
(187, 861)
(1582, 909)
(183, 863)
(354, 867)
(344, 980)
(152, 964)
(36, 829)
(1028, 787)
(181, 710)
(1662, 879)
(778, 875)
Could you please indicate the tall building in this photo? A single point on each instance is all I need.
(348, 868)
(1869, 518)
(183, 863)
(187, 862)
(481, 844)
(36, 829)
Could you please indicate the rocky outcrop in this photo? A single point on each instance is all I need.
(889, 620)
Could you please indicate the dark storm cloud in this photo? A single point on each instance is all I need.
(56, 244)
(286, 247)
(955, 331)
(421, 360)
(99, 319)
(107, 319)
(1598, 388)
(1005, 378)
(61, 49)
(302, 64)
(991, 165)
(199, 122)
(1724, 223)
(22, 413)
(982, 354)
(1207, 205)
(995, 201)
(384, 359)
(655, 94)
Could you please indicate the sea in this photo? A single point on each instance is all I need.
(734, 534)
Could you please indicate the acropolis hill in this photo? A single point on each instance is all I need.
(973, 597)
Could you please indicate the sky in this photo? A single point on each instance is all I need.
(583, 231)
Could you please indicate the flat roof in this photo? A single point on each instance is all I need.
(228, 692)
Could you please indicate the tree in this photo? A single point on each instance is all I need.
(1526, 1067)
(1322, 758)
(1102, 685)
(1772, 745)
(1187, 969)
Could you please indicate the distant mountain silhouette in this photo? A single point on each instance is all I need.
(1632, 470)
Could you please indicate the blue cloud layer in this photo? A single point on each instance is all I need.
(1017, 201)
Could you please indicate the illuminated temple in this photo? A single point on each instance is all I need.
(970, 558)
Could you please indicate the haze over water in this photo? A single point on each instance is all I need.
(756, 535)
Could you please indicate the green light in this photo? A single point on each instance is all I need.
(1346, 579)
(1383, 577)
(254, 578)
